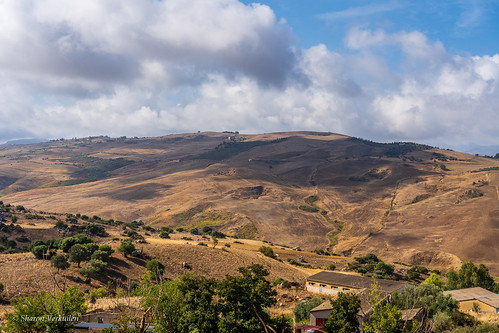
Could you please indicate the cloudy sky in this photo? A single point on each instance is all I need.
(425, 71)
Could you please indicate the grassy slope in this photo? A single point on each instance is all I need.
(394, 200)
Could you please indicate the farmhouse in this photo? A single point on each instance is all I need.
(332, 282)
(475, 299)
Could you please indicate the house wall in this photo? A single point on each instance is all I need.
(468, 306)
(323, 314)
(324, 288)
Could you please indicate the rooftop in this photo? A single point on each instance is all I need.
(355, 281)
(469, 293)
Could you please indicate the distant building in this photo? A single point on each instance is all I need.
(486, 300)
(332, 282)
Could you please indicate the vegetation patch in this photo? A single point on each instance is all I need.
(232, 148)
(420, 197)
(469, 194)
(91, 168)
(248, 230)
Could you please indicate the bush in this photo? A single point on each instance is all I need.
(39, 251)
(164, 234)
(302, 310)
(78, 253)
(156, 268)
(126, 247)
(101, 255)
(331, 267)
(94, 268)
(279, 281)
(180, 229)
(267, 251)
(67, 243)
(59, 261)
(227, 244)
(202, 244)
(194, 231)
(96, 294)
(107, 248)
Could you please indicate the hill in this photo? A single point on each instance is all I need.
(405, 202)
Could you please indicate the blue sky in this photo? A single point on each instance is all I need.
(424, 71)
(463, 26)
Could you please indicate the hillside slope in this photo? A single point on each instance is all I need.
(403, 201)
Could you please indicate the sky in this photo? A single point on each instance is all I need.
(423, 71)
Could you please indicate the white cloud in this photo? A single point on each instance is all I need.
(140, 67)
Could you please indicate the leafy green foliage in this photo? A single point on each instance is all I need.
(470, 276)
(126, 247)
(78, 253)
(96, 294)
(94, 268)
(40, 251)
(427, 296)
(69, 304)
(302, 310)
(435, 280)
(386, 317)
(343, 317)
(101, 255)
(59, 261)
(244, 300)
(156, 268)
(267, 251)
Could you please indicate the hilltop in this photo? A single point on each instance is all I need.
(405, 202)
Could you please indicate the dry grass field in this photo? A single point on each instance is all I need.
(404, 202)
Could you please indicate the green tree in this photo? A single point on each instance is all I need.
(215, 241)
(267, 251)
(343, 318)
(427, 296)
(435, 280)
(244, 301)
(126, 247)
(106, 248)
(78, 253)
(386, 317)
(69, 305)
(67, 243)
(156, 268)
(101, 255)
(452, 280)
(201, 312)
(40, 251)
(59, 261)
(94, 268)
(302, 310)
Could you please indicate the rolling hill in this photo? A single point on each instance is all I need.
(405, 202)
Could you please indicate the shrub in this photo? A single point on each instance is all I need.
(331, 267)
(106, 248)
(180, 229)
(267, 251)
(194, 231)
(302, 310)
(78, 253)
(59, 261)
(96, 294)
(202, 244)
(227, 244)
(156, 268)
(278, 281)
(164, 234)
(101, 255)
(39, 251)
(94, 268)
(126, 247)
(67, 243)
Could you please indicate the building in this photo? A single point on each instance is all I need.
(332, 282)
(471, 298)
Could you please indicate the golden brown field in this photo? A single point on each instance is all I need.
(417, 205)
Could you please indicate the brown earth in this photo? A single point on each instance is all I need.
(404, 202)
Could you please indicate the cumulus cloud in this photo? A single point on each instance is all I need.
(145, 68)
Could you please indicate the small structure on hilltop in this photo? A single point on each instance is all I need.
(475, 299)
